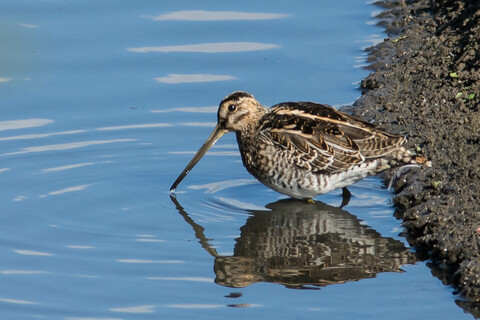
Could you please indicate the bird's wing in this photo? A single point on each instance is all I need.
(320, 138)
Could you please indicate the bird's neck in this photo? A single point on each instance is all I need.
(249, 132)
(253, 124)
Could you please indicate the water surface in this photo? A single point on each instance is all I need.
(103, 104)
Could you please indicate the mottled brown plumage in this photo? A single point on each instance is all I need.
(303, 149)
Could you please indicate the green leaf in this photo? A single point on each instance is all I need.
(398, 39)
(471, 96)
(436, 185)
(453, 75)
(458, 95)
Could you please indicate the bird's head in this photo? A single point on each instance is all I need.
(239, 111)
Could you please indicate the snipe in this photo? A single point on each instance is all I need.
(303, 149)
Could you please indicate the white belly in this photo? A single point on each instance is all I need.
(306, 185)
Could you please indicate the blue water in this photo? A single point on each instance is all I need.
(102, 105)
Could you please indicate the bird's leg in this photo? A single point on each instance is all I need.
(346, 195)
(310, 201)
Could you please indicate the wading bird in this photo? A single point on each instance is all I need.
(303, 149)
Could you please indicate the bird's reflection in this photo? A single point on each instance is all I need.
(303, 245)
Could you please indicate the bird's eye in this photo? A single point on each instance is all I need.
(232, 107)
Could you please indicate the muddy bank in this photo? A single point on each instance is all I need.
(425, 83)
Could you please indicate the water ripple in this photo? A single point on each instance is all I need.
(24, 123)
(68, 167)
(65, 146)
(219, 47)
(205, 15)
(40, 135)
(66, 190)
(135, 309)
(176, 78)
(32, 253)
(135, 126)
(210, 109)
(16, 301)
(220, 185)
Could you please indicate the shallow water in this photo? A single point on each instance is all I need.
(103, 104)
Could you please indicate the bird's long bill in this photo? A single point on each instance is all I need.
(216, 134)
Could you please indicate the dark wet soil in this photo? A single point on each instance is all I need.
(425, 83)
